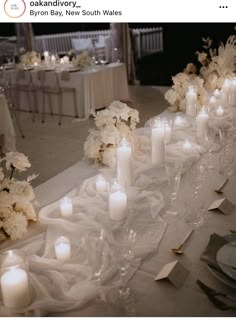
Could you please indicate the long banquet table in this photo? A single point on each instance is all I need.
(157, 298)
(6, 126)
(95, 88)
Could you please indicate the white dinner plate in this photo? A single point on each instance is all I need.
(225, 276)
(226, 259)
(222, 277)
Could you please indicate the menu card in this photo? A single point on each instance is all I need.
(223, 205)
(175, 272)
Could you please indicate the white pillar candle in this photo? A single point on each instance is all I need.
(62, 61)
(191, 102)
(202, 122)
(216, 93)
(15, 288)
(225, 91)
(158, 142)
(66, 207)
(124, 163)
(62, 249)
(212, 101)
(53, 60)
(219, 110)
(232, 93)
(187, 145)
(178, 121)
(117, 203)
(167, 131)
(101, 184)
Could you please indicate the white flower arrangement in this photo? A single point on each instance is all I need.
(82, 61)
(112, 124)
(16, 209)
(181, 82)
(216, 66)
(29, 58)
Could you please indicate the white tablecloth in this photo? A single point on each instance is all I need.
(95, 89)
(159, 298)
(6, 126)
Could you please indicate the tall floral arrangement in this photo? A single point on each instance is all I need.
(16, 209)
(217, 63)
(113, 123)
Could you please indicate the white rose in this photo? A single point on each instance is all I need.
(27, 209)
(22, 190)
(18, 160)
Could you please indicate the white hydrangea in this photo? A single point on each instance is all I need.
(15, 225)
(7, 199)
(109, 157)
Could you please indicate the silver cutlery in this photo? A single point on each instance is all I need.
(179, 250)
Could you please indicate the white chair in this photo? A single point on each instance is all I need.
(9, 90)
(51, 86)
(82, 44)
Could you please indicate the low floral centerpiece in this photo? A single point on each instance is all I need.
(82, 60)
(16, 209)
(112, 124)
(29, 58)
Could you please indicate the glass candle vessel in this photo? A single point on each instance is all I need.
(191, 102)
(124, 163)
(15, 286)
(202, 122)
(158, 142)
(118, 201)
(62, 248)
(101, 184)
(66, 207)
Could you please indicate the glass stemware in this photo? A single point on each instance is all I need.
(122, 298)
(210, 145)
(226, 163)
(197, 176)
(173, 171)
(94, 244)
(193, 213)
